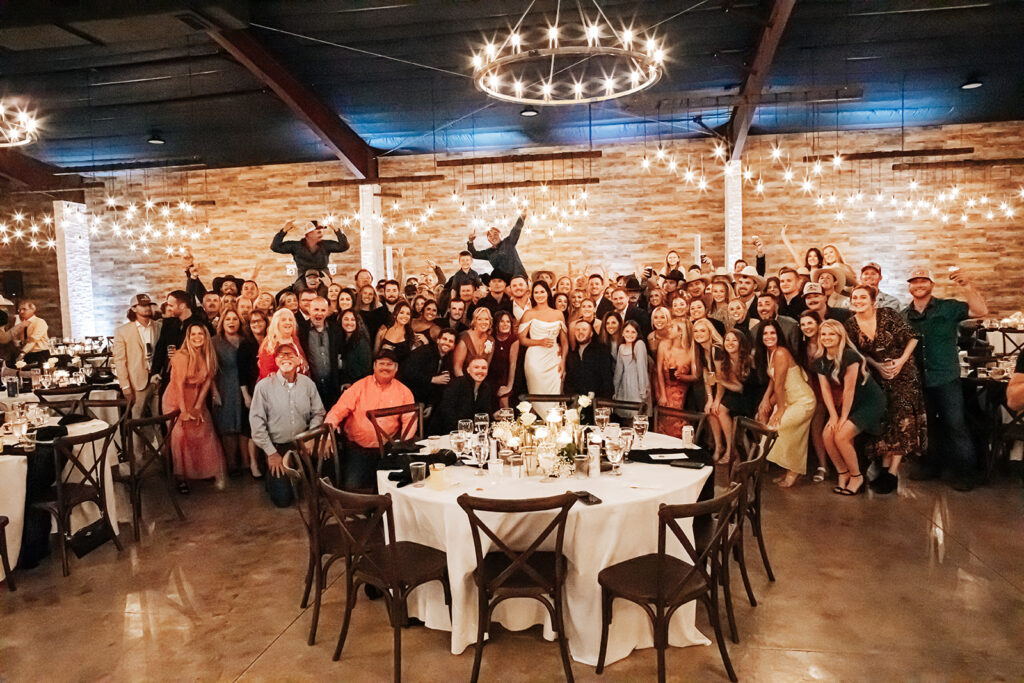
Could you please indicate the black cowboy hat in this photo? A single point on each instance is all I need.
(218, 282)
(496, 275)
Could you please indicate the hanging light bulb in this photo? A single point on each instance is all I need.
(837, 160)
(719, 151)
(776, 153)
(787, 175)
(817, 168)
(759, 186)
(645, 163)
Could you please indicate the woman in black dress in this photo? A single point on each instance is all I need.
(737, 391)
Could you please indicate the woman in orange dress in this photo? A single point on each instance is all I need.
(677, 370)
(195, 448)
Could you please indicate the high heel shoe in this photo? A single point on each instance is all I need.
(851, 492)
(839, 489)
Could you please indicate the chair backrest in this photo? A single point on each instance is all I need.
(310, 447)
(409, 427)
(145, 428)
(122, 406)
(695, 419)
(519, 559)
(568, 399)
(82, 460)
(64, 400)
(719, 514)
(614, 404)
(363, 519)
(753, 439)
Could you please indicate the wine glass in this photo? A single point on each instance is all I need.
(640, 423)
(466, 427)
(482, 421)
(601, 417)
(628, 437)
(614, 450)
(613, 430)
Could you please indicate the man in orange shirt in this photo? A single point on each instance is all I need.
(379, 390)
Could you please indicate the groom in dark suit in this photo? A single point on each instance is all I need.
(589, 366)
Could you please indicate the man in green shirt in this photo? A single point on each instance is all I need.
(937, 322)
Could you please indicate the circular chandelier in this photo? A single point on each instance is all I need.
(17, 126)
(573, 63)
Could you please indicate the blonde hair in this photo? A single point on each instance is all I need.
(837, 328)
(479, 312)
(683, 332)
(839, 255)
(203, 358)
(716, 339)
(274, 334)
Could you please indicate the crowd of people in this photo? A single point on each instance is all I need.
(817, 350)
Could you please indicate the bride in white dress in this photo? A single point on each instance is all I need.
(542, 331)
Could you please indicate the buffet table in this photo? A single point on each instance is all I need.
(623, 525)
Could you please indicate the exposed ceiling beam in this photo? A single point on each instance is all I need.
(892, 154)
(750, 93)
(963, 163)
(359, 157)
(32, 175)
(379, 180)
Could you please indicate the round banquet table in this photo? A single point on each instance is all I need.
(623, 525)
(13, 473)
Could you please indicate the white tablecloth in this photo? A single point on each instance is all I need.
(998, 339)
(13, 473)
(624, 525)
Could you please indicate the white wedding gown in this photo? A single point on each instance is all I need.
(541, 362)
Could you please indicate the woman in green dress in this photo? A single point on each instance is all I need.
(854, 401)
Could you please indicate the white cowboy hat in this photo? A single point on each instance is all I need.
(837, 272)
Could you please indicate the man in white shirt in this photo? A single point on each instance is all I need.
(520, 296)
(133, 357)
(31, 334)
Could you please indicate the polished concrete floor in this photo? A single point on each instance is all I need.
(927, 585)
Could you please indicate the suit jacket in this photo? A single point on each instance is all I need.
(493, 305)
(594, 372)
(172, 332)
(790, 328)
(419, 367)
(640, 316)
(330, 394)
(458, 403)
(374, 320)
(604, 306)
(129, 355)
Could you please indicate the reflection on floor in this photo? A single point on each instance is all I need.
(926, 585)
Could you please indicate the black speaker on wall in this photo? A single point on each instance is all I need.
(13, 284)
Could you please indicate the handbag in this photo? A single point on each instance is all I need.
(90, 537)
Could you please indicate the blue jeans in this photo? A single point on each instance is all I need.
(949, 442)
(279, 488)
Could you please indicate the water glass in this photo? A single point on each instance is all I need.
(459, 440)
(613, 450)
(582, 465)
(495, 469)
(466, 426)
(418, 472)
(516, 465)
(29, 443)
(613, 431)
(481, 451)
(640, 423)
(482, 421)
(601, 417)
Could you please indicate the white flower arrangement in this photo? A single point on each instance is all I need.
(501, 433)
(572, 416)
(488, 346)
(583, 401)
(20, 364)
(527, 419)
(524, 407)
(553, 416)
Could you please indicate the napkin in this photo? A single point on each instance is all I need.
(644, 454)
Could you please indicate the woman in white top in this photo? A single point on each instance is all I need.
(542, 333)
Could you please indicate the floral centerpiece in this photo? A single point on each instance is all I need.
(557, 438)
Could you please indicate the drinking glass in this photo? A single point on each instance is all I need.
(640, 423)
(171, 348)
(516, 465)
(613, 430)
(495, 468)
(481, 452)
(627, 437)
(601, 417)
(482, 421)
(458, 440)
(37, 378)
(466, 427)
(29, 444)
(418, 470)
(613, 450)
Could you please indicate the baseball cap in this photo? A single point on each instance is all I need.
(308, 227)
(141, 299)
(283, 347)
(387, 354)
(812, 288)
(872, 265)
(918, 273)
(312, 271)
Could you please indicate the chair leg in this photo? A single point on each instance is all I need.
(62, 539)
(318, 578)
(136, 503)
(727, 594)
(169, 486)
(309, 581)
(741, 560)
(563, 640)
(606, 621)
(481, 632)
(661, 648)
(6, 563)
(759, 532)
(711, 603)
(113, 530)
(397, 622)
(350, 602)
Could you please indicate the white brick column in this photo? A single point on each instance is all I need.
(733, 214)
(371, 236)
(74, 269)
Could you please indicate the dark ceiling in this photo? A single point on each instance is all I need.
(104, 77)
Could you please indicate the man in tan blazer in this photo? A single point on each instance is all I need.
(133, 356)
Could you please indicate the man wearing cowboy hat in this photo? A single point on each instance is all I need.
(312, 252)
(671, 285)
(833, 281)
(697, 284)
(748, 284)
(871, 275)
(497, 298)
(134, 346)
(502, 254)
